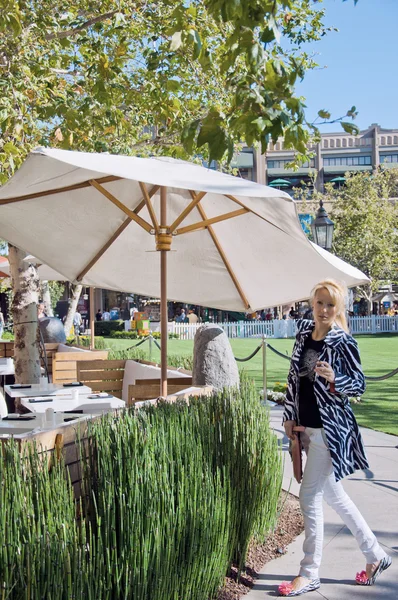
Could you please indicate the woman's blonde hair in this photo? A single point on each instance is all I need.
(338, 293)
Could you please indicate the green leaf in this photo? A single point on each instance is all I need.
(324, 114)
(176, 41)
(188, 135)
(10, 148)
(350, 128)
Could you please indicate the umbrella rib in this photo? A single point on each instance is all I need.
(114, 236)
(224, 258)
(253, 212)
(207, 222)
(195, 199)
(144, 224)
(68, 188)
(149, 206)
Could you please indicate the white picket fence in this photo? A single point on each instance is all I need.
(374, 324)
(279, 328)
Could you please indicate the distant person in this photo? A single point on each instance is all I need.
(106, 315)
(40, 311)
(98, 315)
(1, 324)
(181, 317)
(133, 310)
(192, 317)
(77, 322)
(268, 316)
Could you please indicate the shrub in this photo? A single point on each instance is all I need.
(124, 335)
(105, 328)
(7, 335)
(206, 499)
(173, 495)
(133, 335)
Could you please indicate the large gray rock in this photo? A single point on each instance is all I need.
(52, 330)
(213, 361)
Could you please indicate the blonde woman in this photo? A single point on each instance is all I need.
(325, 370)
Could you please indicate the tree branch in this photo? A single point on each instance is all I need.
(72, 32)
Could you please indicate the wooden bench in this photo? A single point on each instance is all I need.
(147, 389)
(102, 375)
(62, 366)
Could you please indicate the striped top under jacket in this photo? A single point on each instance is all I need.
(341, 429)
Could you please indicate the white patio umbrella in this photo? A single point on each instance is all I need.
(98, 219)
(45, 272)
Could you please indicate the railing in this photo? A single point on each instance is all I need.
(373, 324)
(279, 328)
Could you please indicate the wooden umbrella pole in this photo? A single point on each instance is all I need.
(92, 319)
(163, 243)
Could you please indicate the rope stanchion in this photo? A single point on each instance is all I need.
(251, 355)
(278, 353)
(367, 377)
(139, 343)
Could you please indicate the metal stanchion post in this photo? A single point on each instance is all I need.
(264, 369)
(150, 347)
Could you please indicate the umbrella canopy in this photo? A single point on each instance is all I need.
(97, 219)
(90, 217)
(280, 182)
(45, 272)
(338, 180)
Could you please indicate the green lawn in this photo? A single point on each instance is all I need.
(379, 407)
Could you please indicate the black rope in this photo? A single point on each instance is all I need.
(367, 377)
(382, 377)
(139, 343)
(25, 322)
(277, 352)
(251, 355)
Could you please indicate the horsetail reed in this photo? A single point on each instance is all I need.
(173, 495)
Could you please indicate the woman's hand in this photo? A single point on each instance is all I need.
(288, 425)
(323, 369)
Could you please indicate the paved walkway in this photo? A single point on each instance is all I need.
(375, 492)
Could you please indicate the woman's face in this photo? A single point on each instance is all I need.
(324, 308)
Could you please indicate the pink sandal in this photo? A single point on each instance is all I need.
(362, 579)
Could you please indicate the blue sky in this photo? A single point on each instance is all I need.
(361, 62)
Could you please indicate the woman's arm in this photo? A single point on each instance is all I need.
(351, 380)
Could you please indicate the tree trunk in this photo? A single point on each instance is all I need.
(25, 284)
(77, 290)
(46, 296)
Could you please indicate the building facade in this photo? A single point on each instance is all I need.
(334, 155)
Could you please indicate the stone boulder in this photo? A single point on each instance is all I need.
(52, 330)
(213, 361)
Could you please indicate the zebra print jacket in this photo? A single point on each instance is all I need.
(340, 426)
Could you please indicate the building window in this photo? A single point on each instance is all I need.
(332, 143)
(350, 142)
(395, 140)
(389, 158)
(281, 164)
(326, 143)
(338, 143)
(383, 140)
(389, 141)
(344, 143)
(348, 161)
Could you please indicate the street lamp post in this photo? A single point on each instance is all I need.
(322, 228)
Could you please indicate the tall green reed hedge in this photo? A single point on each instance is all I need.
(175, 494)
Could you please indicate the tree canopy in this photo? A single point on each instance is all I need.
(164, 76)
(365, 214)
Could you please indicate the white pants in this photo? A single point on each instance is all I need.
(318, 483)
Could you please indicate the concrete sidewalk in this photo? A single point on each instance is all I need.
(375, 492)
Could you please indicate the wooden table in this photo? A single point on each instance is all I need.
(64, 403)
(40, 389)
